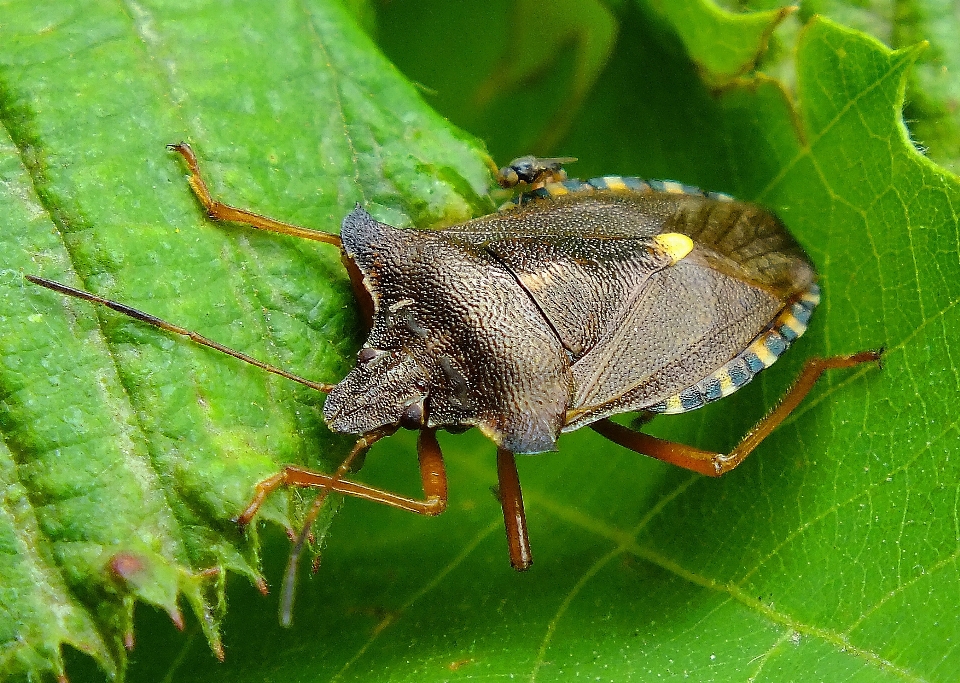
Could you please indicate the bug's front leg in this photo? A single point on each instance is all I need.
(433, 476)
(432, 473)
(715, 464)
(224, 212)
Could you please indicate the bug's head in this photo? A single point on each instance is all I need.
(386, 387)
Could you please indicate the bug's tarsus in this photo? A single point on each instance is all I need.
(210, 573)
(514, 516)
(175, 329)
(263, 489)
(716, 464)
(224, 212)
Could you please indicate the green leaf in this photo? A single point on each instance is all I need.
(722, 43)
(521, 69)
(829, 555)
(126, 453)
(933, 90)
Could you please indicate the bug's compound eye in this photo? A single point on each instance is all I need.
(412, 416)
(367, 355)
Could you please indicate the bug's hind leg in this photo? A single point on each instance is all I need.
(715, 464)
(224, 212)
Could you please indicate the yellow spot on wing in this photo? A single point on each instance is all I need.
(556, 189)
(674, 245)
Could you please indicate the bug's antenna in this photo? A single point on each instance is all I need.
(288, 592)
(290, 575)
(175, 329)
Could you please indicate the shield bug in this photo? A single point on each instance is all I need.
(579, 301)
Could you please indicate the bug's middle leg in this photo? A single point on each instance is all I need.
(715, 464)
(433, 476)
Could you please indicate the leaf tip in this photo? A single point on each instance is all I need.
(176, 616)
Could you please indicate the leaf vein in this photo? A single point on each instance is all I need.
(393, 616)
(807, 149)
(902, 468)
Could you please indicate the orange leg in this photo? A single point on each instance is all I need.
(514, 517)
(432, 471)
(224, 212)
(715, 464)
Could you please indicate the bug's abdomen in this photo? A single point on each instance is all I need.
(760, 354)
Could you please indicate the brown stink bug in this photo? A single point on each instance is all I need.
(580, 301)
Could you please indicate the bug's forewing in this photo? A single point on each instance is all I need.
(580, 284)
(740, 239)
(682, 325)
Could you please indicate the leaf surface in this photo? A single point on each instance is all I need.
(933, 89)
(829, 555)
(126, 453)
